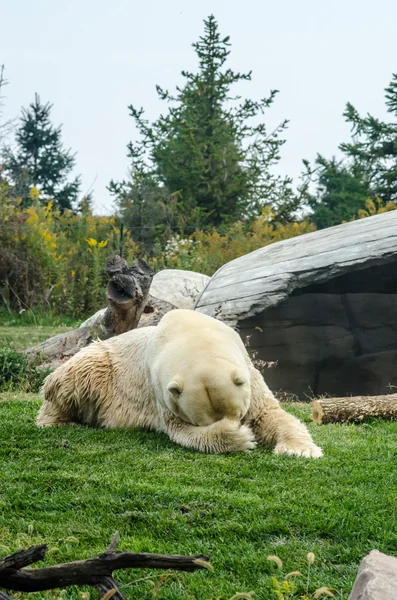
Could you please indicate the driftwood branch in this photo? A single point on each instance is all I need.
(96, 572)
(354, 409)
(108, 584)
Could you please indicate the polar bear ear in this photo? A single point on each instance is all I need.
(175, 387)
(239, 377)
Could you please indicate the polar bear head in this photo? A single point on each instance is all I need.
(199, 369)
(203, 395)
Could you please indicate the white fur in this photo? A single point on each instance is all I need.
(189, 377)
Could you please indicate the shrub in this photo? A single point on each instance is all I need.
(17, 372)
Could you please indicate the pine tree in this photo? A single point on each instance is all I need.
(368, 170)
(374, 146)
(40, 159)
(341, 191)
(206, 149)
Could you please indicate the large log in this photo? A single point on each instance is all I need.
(96, 572)
(354, 409)
(255, 282)
(127, 294)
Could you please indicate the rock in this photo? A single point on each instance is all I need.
(376, 578)
(171, 288)
(177, 287)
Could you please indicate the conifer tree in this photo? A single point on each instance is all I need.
(40, 159)
(208, 149)
(367, 171)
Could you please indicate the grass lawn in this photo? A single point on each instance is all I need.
(73, 487)
(25, 337)
(25, 330)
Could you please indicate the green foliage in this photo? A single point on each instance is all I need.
(207, 251)
(75, 486)
(40, 160)
(56, 261)
(341, 191)
(208, 151)
(53, 260)
(368, 171)
(150, 212)
(16, 372)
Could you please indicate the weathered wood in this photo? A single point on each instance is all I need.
(23, 558)
(266, 277)
(107, 585)
(127, 293)
(316, 243)
(96, 572)
(154, 311)
(354, 409)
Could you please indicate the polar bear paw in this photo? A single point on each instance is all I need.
(307, 449)
(232, 436)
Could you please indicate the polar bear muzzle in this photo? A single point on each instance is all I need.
(210, 397)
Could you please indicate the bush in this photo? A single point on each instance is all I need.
(55, 261)
(207, 251)
(16, 372)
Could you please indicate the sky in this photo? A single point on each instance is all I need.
(92, 58)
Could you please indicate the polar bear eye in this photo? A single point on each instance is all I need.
(239, 379)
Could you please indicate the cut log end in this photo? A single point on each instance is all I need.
(317, 412)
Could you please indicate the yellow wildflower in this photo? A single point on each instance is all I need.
(34, 193)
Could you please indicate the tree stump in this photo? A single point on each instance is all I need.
(354, 409)
(127, 294)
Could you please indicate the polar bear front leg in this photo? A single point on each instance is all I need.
(221, 436)
(273, 426)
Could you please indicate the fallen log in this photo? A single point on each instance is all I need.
(127, 294)
(354, 409)
(96, 572)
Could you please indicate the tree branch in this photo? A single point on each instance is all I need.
(96, 572)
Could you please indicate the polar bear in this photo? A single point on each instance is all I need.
(190, 377)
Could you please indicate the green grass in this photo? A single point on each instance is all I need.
(25, 337)
(72, 487)
(26, 329)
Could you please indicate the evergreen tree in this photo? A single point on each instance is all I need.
(40, 159)
(341, 191)
(149, 211)
(368, 170)
(374, 146)
(208, 148)
(5, 126)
